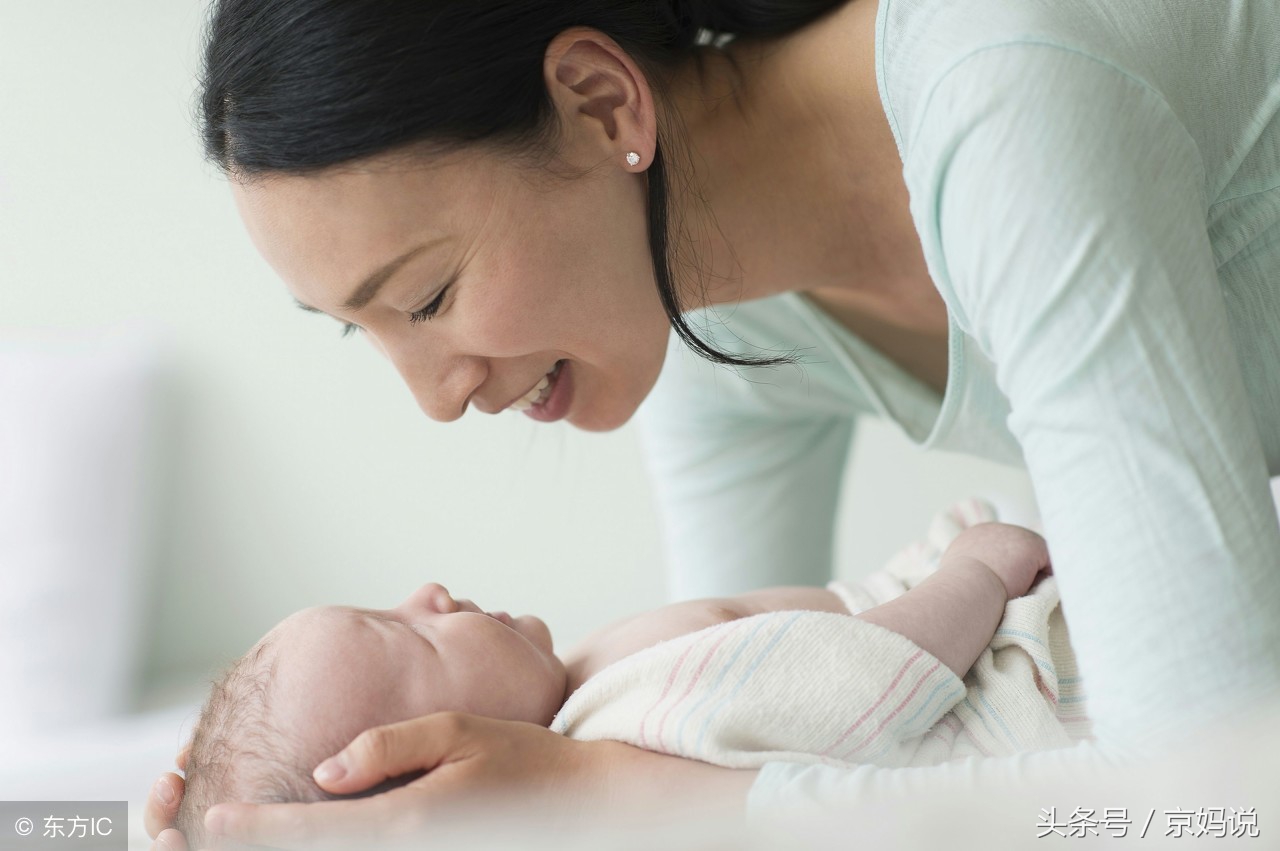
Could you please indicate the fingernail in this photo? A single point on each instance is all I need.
(214, 822)
(330, 771)
(161, 844)
(164, 792)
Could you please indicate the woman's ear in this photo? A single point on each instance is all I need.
(604, 101)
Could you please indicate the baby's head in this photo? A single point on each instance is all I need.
(324, 675)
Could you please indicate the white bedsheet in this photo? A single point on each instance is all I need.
(110, 760)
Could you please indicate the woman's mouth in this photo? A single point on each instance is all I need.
(538, 394)
(549, 399)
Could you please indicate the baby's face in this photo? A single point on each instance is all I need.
(341, 670)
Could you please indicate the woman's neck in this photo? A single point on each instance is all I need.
(789, 178)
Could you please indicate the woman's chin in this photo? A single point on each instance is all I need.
(603, 418)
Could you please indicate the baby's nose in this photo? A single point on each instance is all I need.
(438, 598)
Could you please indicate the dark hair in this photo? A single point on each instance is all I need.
(302, 85)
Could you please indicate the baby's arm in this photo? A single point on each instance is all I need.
(954, 613)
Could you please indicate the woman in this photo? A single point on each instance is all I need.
(1044, 233)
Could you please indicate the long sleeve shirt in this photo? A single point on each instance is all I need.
(1096, 186)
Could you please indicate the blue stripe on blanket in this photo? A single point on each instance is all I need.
(1008, 733)
(928, 703)
(724, 671)
(746, 675)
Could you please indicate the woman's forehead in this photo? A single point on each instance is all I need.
(327, 237)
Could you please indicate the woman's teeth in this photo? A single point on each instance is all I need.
(536, 395)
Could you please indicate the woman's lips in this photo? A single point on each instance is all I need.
(557, 404)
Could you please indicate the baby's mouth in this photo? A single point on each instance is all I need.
(500, 617)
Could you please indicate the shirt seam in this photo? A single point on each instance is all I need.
(1243, 195)
(882, 82)
(933, 88)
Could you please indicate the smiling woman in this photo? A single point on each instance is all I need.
(512, 279)
(520, 202)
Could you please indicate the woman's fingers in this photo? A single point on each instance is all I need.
(419, 744)
(169, 840)
(467, 759)
(183, 756)
(476, 768)
(161, 809)
(336, 824)
(416, 745)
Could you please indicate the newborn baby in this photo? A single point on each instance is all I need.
(324, 675)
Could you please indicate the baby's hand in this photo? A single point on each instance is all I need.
(1014, 554)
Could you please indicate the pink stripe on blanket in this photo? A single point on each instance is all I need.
(976, 744)
(933, 734)
(697, 675)
(902, 672)
(1044, 689)
(897, 709)
(671, 678)
(959, 729)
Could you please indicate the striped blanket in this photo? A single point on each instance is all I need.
(827, 688)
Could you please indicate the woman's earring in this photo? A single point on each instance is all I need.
(633, 159)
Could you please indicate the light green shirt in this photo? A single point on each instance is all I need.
(1096, 185)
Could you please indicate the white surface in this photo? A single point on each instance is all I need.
(115, 759)
(75, 429)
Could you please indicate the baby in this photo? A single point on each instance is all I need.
(325, 674)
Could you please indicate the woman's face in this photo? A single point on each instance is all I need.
(490, 277)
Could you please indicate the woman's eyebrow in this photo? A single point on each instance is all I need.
(370, 286)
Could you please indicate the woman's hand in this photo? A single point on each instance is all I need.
(470, 761)
(161, 811)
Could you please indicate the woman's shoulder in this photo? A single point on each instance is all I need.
(921, 42)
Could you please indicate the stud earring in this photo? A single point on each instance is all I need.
(633, 158)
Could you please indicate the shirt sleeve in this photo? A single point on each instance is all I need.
(1062, 207)
(747, 486)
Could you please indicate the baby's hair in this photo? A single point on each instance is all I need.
(239, 753)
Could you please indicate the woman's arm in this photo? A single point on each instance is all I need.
(1077, 252)
(1063, 212)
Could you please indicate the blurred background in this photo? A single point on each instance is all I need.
(186, 458)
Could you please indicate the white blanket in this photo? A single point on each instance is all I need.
(828, 688)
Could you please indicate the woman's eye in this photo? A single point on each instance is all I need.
(430, 310)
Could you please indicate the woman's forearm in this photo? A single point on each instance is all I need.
(953, 614)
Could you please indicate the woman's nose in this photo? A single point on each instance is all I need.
(441, 384)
